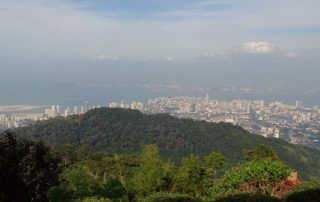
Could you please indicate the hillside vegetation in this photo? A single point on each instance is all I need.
(31, 171)
(125, 131)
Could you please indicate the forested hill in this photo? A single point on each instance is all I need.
(124, 130)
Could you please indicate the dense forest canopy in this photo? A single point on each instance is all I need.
(125, 131)
(31, 171)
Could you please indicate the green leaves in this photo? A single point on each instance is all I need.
(151, 173)
(213, 163)
(125, 131)
(78, 184)
(196, 175)
(260, 173)
(188, 178)
(27, 169)
(261, 152)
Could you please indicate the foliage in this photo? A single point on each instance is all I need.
(213, 163)
(30, 169)
(27, 169)
(261, 152)
(260, 174)
(77, 184)
(112, 189)
(95, 199)
(189, 176)
(195, 175)
(151, 174)
(125, 131)
(168, 197)
(307, 192)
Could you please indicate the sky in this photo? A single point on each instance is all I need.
(248, 40)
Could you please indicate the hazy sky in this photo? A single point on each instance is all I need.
(245, 38)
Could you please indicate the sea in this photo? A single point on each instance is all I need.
(69, 95)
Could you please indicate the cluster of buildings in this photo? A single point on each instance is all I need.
(134, 105)
(294, 123)
(55, 110)
(14, 120)
(17, 120)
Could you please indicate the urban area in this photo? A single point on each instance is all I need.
(293, 123)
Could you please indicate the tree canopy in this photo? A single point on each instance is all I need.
(124, 131)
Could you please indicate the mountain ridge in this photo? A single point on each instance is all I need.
(125, 130)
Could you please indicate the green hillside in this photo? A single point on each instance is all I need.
(124, 131)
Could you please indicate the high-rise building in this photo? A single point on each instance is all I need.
(140, 106)
(113, 105)
(58, 109)
(53, 111)
(261, 104)
(75, 110)
(315, 108)
(193, 107)
(86, 106)
(276, 133)
(248, 108)
(298, 104)
(122, 105)
(207, 98)
(67, 111)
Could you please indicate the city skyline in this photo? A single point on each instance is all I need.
(293, 123)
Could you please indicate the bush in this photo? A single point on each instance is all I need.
(306, 192)
(169, 197)
(263, 173)
(95, 199)
(112, 189)
(247, 197)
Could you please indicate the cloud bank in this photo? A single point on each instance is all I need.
(76, 29)
(258, 47)
(106, 58)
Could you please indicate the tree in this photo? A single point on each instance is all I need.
(151, 173)
(112, 189)
(27, 169)
(213, 163)
(260, 152)
(188, 178)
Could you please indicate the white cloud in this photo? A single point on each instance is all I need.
(224, 54)
(169, 59)
(252, 48)
(64, 28)
(106, 58)
(258, 47)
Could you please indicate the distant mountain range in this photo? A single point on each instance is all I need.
(124, 131)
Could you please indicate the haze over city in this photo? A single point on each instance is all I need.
(193, 41)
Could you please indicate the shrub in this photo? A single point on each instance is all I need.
(263, 173)
(169, 197)
(95, 199)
